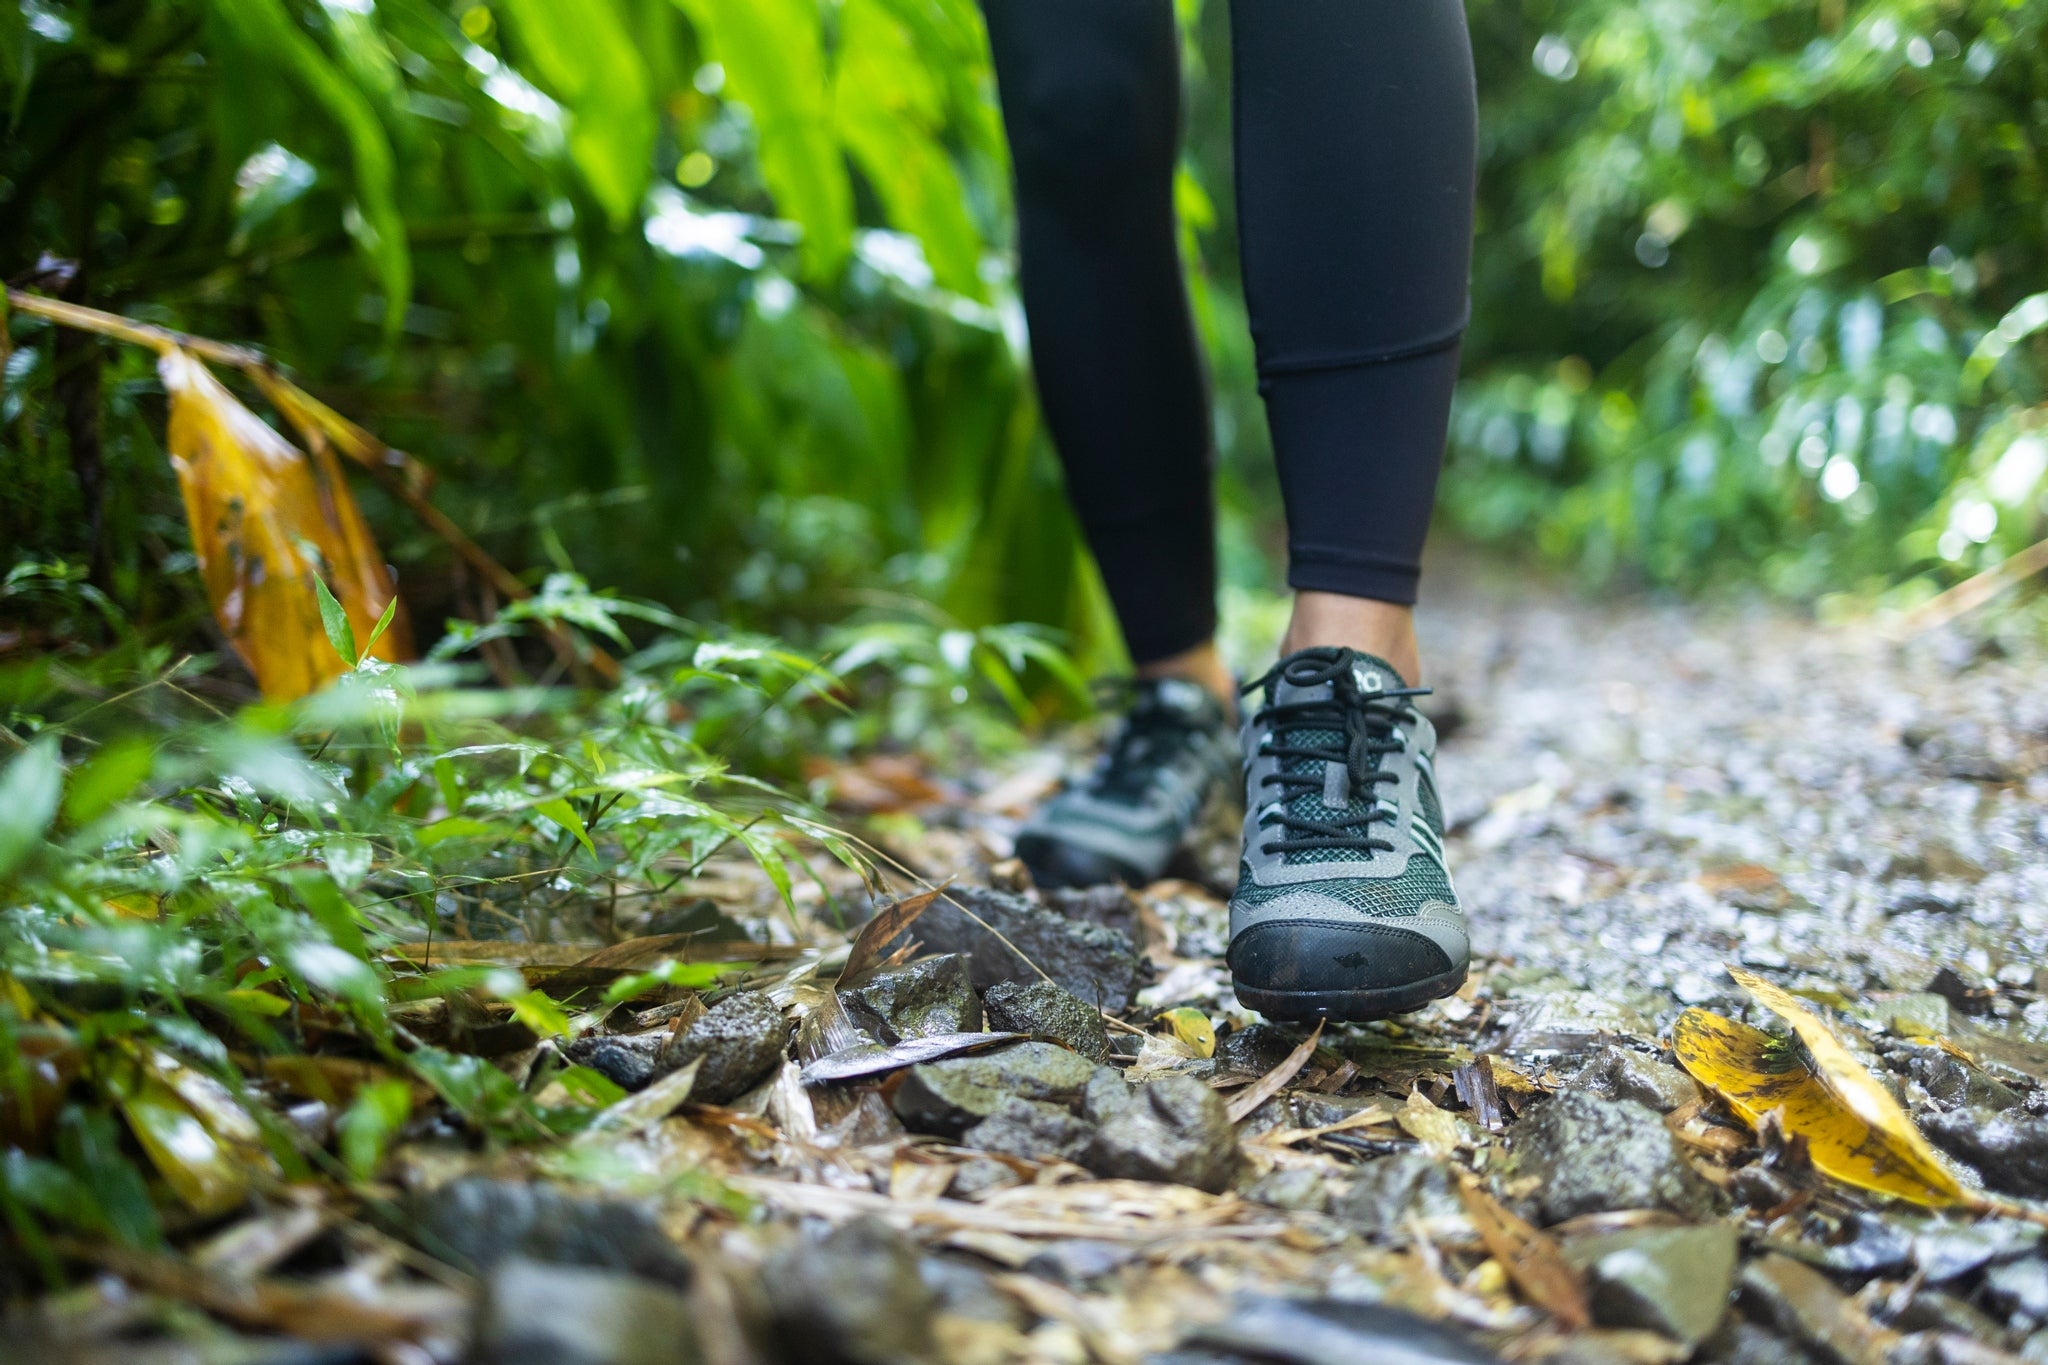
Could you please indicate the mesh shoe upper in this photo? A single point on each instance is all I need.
(1172, 753)
(1343, 884)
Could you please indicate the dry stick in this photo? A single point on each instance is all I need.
(396, 472)
(1973, 592)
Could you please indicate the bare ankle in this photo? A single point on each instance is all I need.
(1203, 665)
(1383, 629)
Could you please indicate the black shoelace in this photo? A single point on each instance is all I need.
(1151, 737)
(1364, 725)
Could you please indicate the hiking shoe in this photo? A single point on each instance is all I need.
(1125, 820)
(1343, 906)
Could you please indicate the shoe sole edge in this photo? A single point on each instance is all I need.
(1353, 1006)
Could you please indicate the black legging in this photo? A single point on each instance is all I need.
(1355, 126)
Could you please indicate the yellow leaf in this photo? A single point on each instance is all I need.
(1193, 1029)
(266, 520)
(199, 1139)
(1437, 1131)
(1854, 1130)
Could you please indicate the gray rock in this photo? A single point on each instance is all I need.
(1945, 1250)
(1591, 1155)
(2009, 1150)
(1045, 1011)
(1297, 1188)
(629, 1061)
(1672, 1281)
(1111, 906)
(476, 1222)
(1620, 1073)
(1098, 964)
(1949, 1080)
(1029, 1128)
(534, 1314)
(1804, 1304)
(950, 1096)
(1079, 1261)
(856, 1296)
(741, 1040)
(1388, 1191)
(1330, 1332)
(1745, 1343)
(917, 1001)
(1310, 1110)
(1174, 1129)
(2019, 1288)
(963, 1291)
(978, 1175)
(1572, 1021)
(1253, 1050)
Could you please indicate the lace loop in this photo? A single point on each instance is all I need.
(1365, 723)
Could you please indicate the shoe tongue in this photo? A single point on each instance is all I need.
(1175, 697)
(1371, 673)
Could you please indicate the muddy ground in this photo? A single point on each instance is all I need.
(1641, 796)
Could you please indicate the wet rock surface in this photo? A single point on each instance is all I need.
(1172, 1129)
(1671, 1281)
(1622, 1073)
(1326, 1332)
(1095, 962)
(948, 1097)
(1030, 1128)
(925, 998)
(535, 1314)
(2009, 1150)
(855, 1296)
(631, 1062)
(1045, 1011)
(476, 1222)
(737, 1044)
(1590, 1155)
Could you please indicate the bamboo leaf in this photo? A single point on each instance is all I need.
(334, 620)
(1193, 1028)
(1854, 1130)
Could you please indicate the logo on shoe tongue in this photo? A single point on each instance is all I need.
(1368, 679)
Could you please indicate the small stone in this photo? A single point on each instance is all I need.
(1591, 1155)
(1173, 1129)
(1804, 1304)
(950, 1096)
(1043, 1010)
(1565, 1022)
(1307, 1109)
(476, 1222)
(1329, 1332)
(965, 1291)
(1624, 1074)
(978, 1175)
(2009, 1150)
(629, 1061)
(1110, 905)
(856, 1296)
(1096, 963)
(1672, 1281)
(917, 1001)
(1391, 1190)
(741, 1041)
(1253, 1050)
(1296, 1188)
(1945, 1250)
(2020, 1287)
(534, 1314)
(1079, 1262)
(1028, 1128)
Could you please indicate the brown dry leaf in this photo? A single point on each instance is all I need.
(1854, 1130)
(876, 934)
(1275, 1080)
(1743, 879)
(266, 522)
(1531, 1259)
(919, 1180)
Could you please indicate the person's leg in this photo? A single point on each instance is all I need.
(1091, 100)
(1355, 147)
(1355, 125)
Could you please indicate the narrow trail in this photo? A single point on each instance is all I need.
(1641, 797)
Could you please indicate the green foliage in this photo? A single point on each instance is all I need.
(1789, 255)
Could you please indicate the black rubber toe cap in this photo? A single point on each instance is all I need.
(1316, 955)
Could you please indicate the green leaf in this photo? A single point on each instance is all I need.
(377, 632)
(29, 791)
(540, 1014)
(773, 52)
(266, 27)
(334, 620)
(372, 1121)
(585, 55)
(564, 814)
(108, 776)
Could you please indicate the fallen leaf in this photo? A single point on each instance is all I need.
(1270, 1084)
(645, 1109)
(877, 932)
(872, 1059)
(1531, 1259)
(1855, 1131)
(1436, 1130)
(268, 523)
(1193, 1028)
